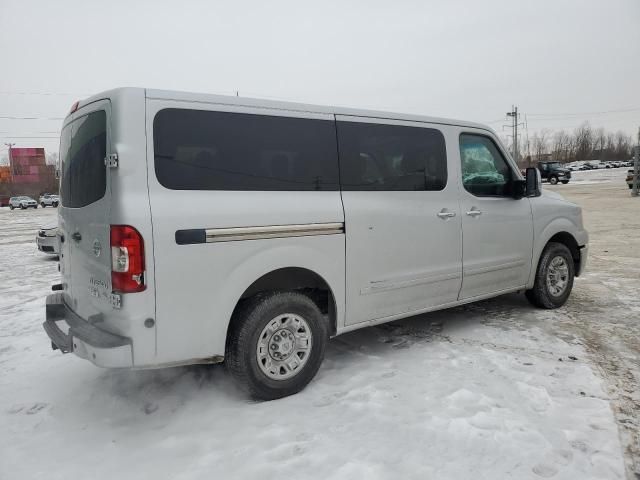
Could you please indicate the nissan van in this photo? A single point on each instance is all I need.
(203, 229)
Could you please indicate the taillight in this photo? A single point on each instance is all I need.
(127, 259)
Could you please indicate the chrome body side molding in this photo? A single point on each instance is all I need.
(210, 235)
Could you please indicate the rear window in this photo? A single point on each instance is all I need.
(204, 150)
(83, 148)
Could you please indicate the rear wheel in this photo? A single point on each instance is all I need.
(11, 207)
(55, 204)
(553, 180)
(276, 344)
(564, 182)
(554, 277)
(43, 205)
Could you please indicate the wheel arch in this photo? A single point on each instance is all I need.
(299, 279)
(558, 235)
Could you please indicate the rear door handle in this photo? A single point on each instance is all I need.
(76, 236)
(474, 212)
(444, 214)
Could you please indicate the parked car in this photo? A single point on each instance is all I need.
(311, 222)
(22, 202)
(49, 200)
(47, 240)
(596, 164)
(554, 172)
(574, 166)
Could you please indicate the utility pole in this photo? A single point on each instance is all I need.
(526, 129)
(514, 128)
(10, 159)
(635, 179)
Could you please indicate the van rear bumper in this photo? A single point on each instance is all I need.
(83, 338)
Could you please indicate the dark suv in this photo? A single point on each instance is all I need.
(554, 172)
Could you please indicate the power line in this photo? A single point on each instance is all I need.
(602, 112)
(47, 94)
(496, 121)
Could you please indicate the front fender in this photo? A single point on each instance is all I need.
(546, 232)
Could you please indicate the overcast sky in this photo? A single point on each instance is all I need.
(555, 59)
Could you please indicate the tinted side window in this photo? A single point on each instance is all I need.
(203, 150)
(485, 172)
(83, 148)
(391, 157)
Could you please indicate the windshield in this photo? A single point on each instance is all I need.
(83, 148)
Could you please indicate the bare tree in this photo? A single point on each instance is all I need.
(540, 142)
(600, 143)
(52, 158)
(583, 138)
(623, 146)
(561, 149)
(584, 144)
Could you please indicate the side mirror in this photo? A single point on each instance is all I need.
(518, 188)
(533, 182)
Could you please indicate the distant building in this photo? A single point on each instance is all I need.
(27, 174)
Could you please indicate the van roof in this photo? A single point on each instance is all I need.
(207, 98)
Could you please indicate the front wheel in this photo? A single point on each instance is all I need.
(554, 277)
(23, 206)
(553, 180)
(43, 205)
(564, 182)
(276, 344)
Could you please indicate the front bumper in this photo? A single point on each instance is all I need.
(47, 244)
(83, 337)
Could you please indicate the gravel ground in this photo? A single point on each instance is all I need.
(604, 311)
(496, 389)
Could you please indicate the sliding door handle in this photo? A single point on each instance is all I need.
(474, 212)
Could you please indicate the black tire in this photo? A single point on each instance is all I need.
(630, 186)
(11, 207)
(540, 295)
(55, 204)
(248, 322)
(553, 180)
(43, 205)
(23, 206)
(564, 182)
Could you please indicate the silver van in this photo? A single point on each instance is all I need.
(201, 229)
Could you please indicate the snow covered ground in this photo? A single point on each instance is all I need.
(487, 391)
(601, 175)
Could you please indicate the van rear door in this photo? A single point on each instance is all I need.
(84, 213)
